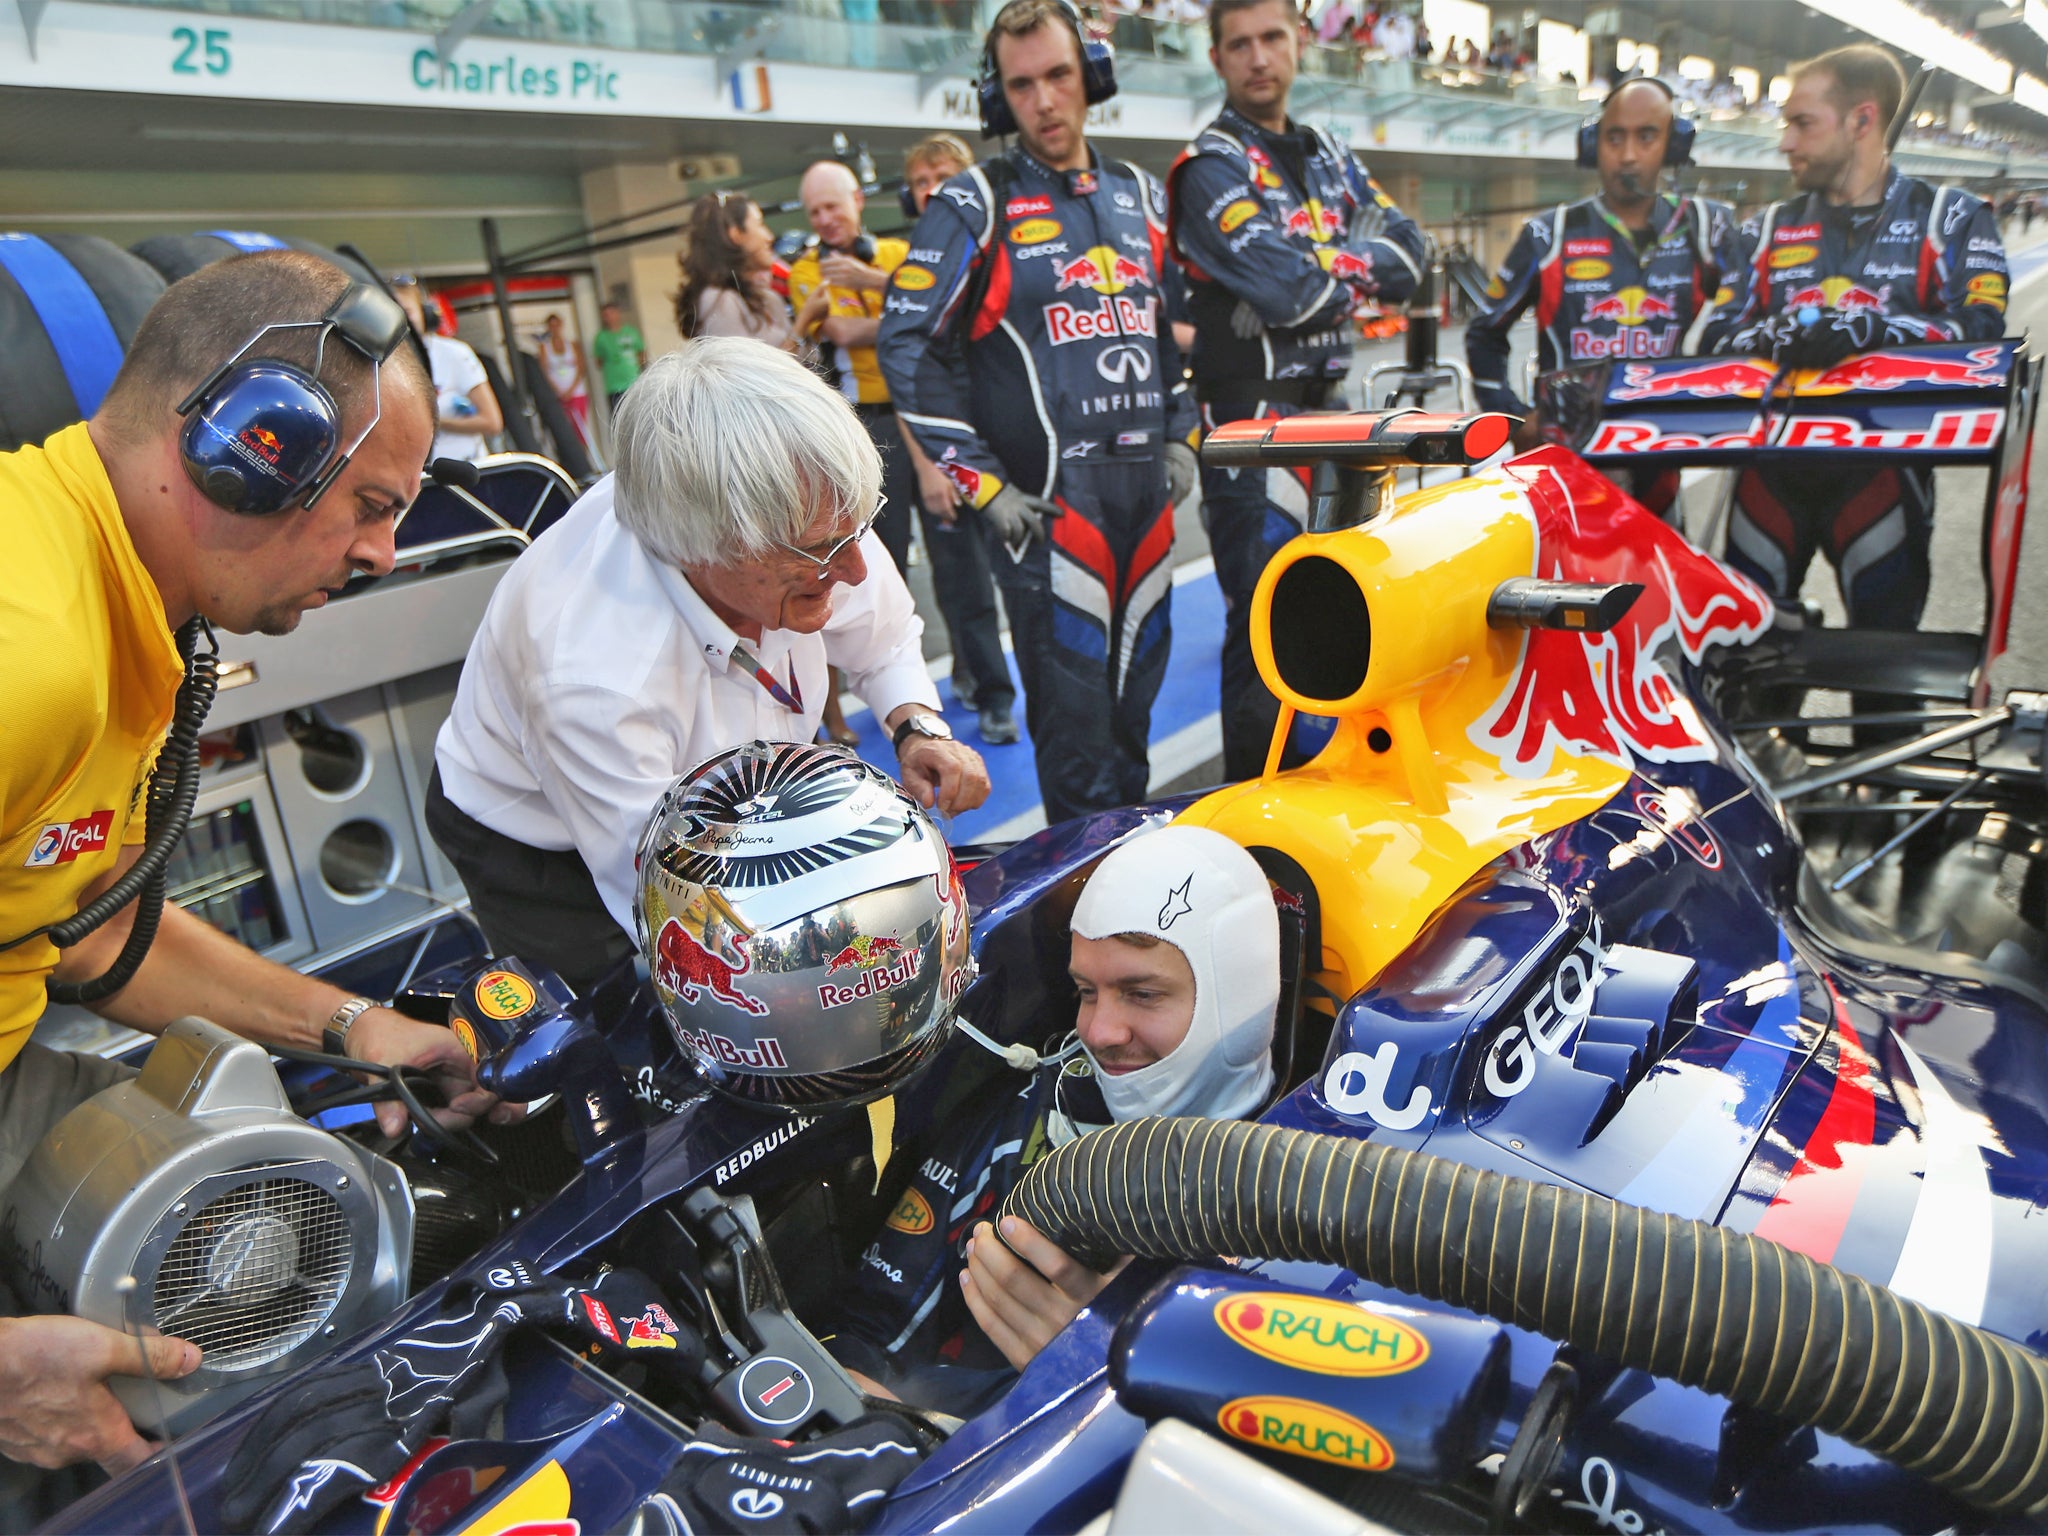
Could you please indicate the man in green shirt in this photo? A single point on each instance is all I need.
(620, 353)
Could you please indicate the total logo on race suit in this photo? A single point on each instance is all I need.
(60, 842)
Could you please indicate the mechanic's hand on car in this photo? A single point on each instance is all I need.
(841, 271)
(1021, 1303)
(1018, 518)
(1822, 340)
(948, 775)
(55, 1408)
(392, 1040)
(1182, 469)
(936, 490)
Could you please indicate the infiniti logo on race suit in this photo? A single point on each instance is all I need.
(1607, 696)
(1124, 363)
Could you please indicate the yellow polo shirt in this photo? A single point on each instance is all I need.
(88, 676)
(855, 372)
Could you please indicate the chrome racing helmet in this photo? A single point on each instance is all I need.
(804, 924)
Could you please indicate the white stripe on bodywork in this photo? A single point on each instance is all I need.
(1946, 1263)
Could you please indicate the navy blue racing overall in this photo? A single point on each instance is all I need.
(1603, 290)
(1024, 342)
(1281, 235)
(1923, 264)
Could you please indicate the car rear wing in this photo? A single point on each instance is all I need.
(1949, 403)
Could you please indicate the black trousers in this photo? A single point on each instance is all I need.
(537, 903)
(899, 481)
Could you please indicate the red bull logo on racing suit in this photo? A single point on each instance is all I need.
(1605, 695)
(1108, 272)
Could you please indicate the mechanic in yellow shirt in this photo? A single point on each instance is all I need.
(111, 546)
(851, 268)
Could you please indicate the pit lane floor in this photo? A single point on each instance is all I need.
(1186, 736)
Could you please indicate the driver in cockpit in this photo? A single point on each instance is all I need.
(1176, 958)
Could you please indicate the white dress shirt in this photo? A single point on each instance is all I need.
(599, 675)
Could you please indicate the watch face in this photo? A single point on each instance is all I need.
(935, 725)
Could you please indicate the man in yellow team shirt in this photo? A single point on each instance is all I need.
(111, 545)
(853, 268)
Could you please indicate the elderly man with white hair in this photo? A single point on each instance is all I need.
(688, 603)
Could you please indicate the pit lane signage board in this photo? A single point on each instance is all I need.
(1943, 404)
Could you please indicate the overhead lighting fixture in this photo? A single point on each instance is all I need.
(2030, 93)
(1917, 33)
(2035, 14)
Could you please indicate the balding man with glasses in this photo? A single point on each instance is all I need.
(688, 603)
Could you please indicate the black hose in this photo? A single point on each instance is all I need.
(1736, 1315)
(173, 790)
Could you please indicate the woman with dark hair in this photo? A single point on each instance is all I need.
(726, 263)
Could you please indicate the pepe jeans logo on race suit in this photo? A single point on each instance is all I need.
(1321, 1334)
(60, 842)
(685, 967)
(1607, 696)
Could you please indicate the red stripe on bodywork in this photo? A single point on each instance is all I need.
(1084, 541)
(1811, 1211)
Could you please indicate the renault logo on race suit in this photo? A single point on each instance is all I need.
(1606, 695)
(1124, 363)
(1103, 269)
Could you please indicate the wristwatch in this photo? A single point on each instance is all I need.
(334, 1038)
(921, 724)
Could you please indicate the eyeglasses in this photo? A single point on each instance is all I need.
(825, 561)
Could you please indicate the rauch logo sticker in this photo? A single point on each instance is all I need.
(1321, 1334)
(1302, 1428)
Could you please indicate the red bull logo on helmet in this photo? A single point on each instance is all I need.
(683, 966)
(1607, 696)
(886, 965)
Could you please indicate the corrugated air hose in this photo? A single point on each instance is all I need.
(1739, 1316)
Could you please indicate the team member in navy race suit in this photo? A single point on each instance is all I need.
(1862, 257)
(1621, 275)
(1028, 353)
(1281, 232)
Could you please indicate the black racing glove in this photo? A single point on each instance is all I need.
(1830, 337)
(725, 1483)
(346, 1431)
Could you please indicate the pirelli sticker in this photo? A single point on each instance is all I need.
(914, 279)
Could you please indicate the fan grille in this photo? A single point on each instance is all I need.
(254, 1273)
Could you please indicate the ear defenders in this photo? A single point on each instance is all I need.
(1677, 143)
(261, 434)
(1098, 75)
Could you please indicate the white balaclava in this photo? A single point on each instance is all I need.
(1208, 898)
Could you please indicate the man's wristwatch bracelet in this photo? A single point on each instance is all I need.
(334, 1038)
(921, 724)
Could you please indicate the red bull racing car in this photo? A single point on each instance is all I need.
(1632, 1165)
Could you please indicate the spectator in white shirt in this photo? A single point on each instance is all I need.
(466, 411)
(688, 603)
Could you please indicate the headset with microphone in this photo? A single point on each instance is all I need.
(263, 436)
(1098, 75)
(1677, 143)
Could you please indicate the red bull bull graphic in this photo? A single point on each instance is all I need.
(1979, 368)
(683, 966)
(966, 481)
(1347, 266)
(1313, 220)
(1719, 379)
(1102, 268)
(263, 442)
(1606, 695)
(884, 965)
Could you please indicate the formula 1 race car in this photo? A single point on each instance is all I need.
(1619, 1176)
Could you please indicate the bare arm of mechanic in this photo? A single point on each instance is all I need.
(55, 1408)
(488, 421)
(1022, 1303)
(194, 968)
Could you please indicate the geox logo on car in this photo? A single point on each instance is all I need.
(1549, 1019)
(1302, 1428)
(1321, 1334)
(62, 841)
